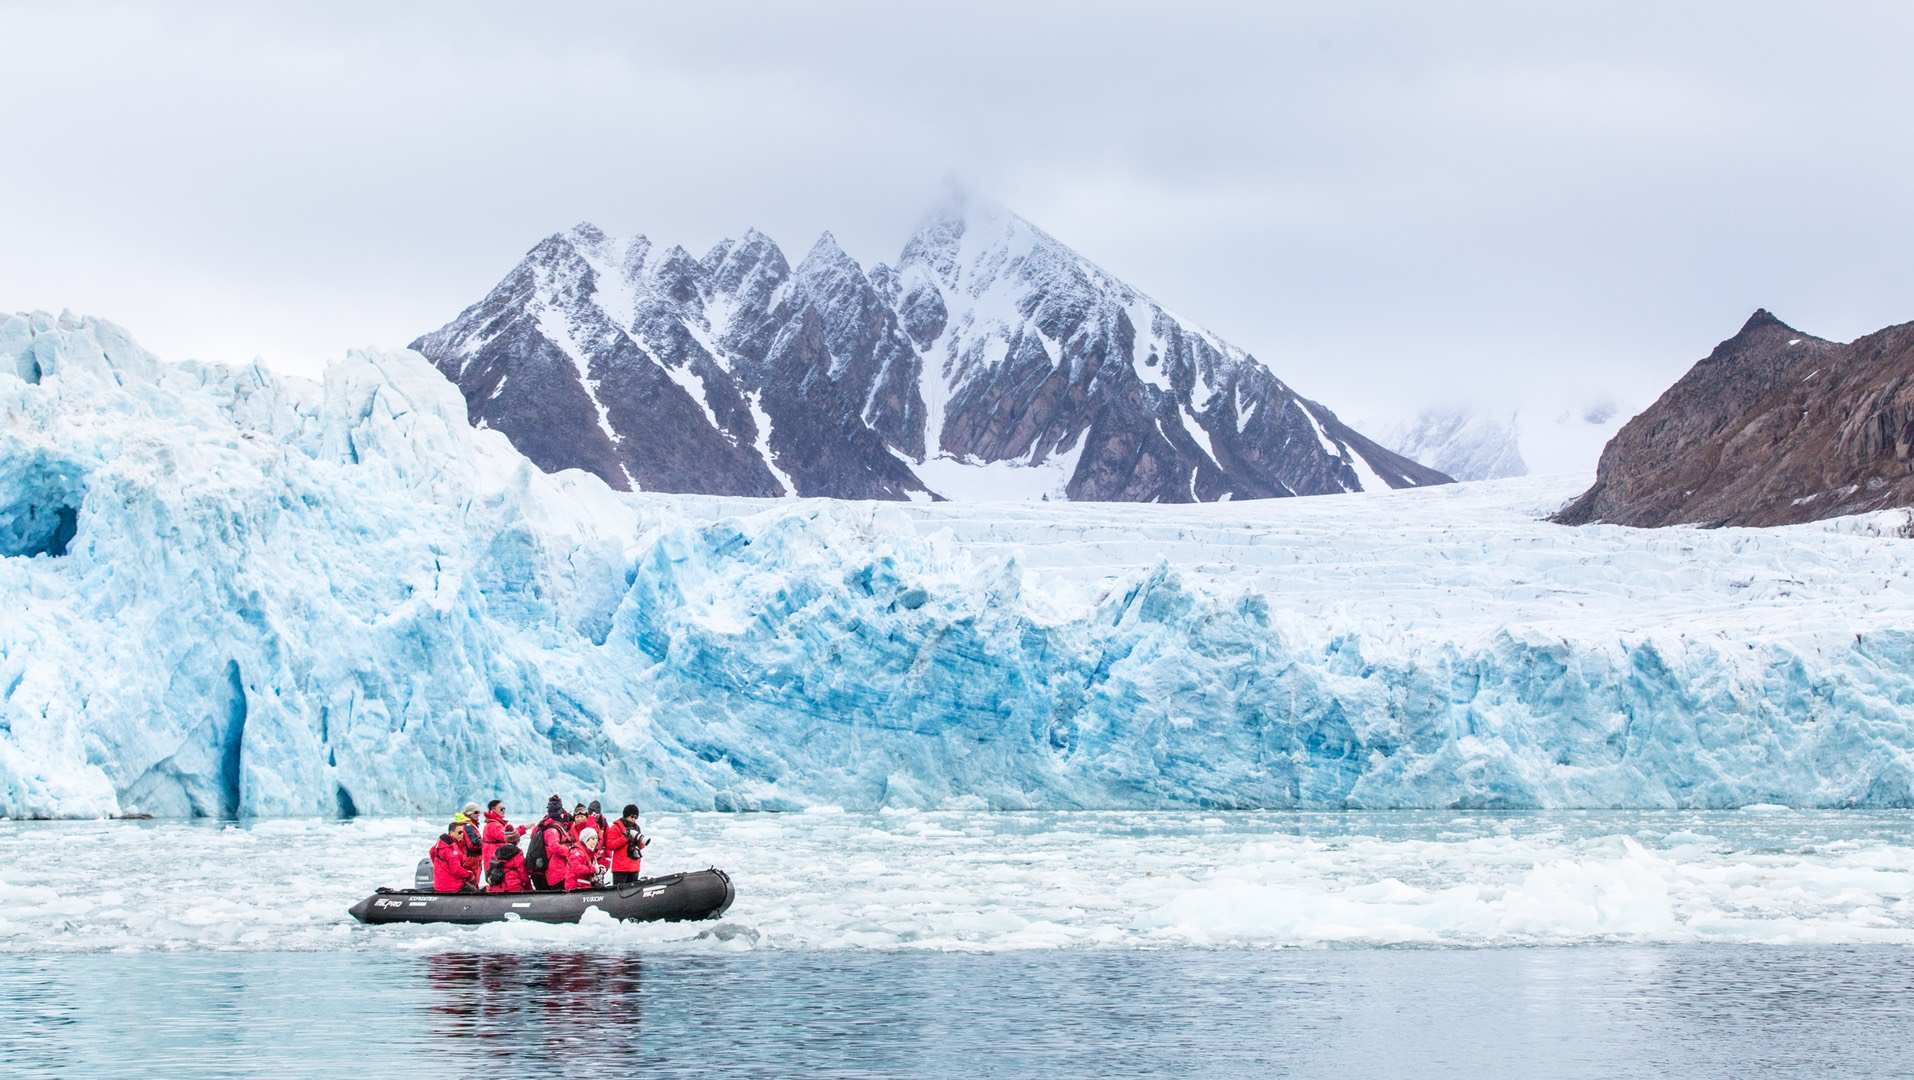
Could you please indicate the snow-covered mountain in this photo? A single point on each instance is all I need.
(1474, 443)
(226, 591)
(1465, 444)
(990, 362)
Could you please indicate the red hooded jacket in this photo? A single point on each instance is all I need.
(470, 846)
(558, 856)
(584, 866)
(496, 831)
(518, 878)
(449, 871)
(587, 820)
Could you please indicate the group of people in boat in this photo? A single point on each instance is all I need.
(567, 850)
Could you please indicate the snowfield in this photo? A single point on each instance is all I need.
(232, 592)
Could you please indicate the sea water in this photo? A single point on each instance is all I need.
(1763, 942)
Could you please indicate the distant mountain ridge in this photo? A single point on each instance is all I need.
(1547, 435)
(1775, 426)
(1463, 443)
(990, 361)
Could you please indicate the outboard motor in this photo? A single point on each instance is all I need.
(422, 877)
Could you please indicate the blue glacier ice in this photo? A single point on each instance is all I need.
(233, 592)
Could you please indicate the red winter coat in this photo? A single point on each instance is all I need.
(584, 866)
(497, 829)
(518, 877)
(449, 872)
(618, 844)
(472, 847)
(580, 823)
(558, 859)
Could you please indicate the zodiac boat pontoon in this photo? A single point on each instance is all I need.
(701, 894)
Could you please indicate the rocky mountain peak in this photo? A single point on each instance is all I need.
(1773, 426)
(585, 234)
(677, 276)
(754, 265)
(987, 346)
(956, 219)
(828, 261)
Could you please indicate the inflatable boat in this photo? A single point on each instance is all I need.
(701, 894)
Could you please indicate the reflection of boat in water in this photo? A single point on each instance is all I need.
(523, 1009)
(701, 894)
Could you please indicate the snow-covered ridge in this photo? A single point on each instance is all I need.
(990, 362)
(228, 591)
(1544, 438)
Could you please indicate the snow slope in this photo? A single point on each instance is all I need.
(233, 592)
(1542, 438)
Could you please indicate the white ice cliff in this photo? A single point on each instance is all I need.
(229, 592)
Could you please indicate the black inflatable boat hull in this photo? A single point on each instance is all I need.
(702, 894)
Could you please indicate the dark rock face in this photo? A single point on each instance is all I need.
(1773, 427)
(988, 345)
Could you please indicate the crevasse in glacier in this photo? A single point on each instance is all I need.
(232, 592)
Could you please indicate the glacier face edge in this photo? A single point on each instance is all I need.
(235, 593)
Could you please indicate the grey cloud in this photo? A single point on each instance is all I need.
(1390, 203)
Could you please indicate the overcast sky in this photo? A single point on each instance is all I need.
(1389, 203)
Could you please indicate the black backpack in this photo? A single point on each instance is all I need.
(496, 875)
(535, 856)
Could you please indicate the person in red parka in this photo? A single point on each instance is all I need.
(596, 822)
(624, 842)
(465, 829)
(507, 871)
(558, 856)
(497, 829)
(554, 813)
(556, 821)
(584, 861)
(450, 874)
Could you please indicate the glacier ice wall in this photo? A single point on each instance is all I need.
(815, 673)
(229, 592)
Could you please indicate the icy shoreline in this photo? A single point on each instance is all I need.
(230, 592)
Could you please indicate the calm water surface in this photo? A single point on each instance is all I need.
(1615, 1011)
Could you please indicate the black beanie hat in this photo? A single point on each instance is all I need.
(631, 809)
(554, 804)
(594, 806)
